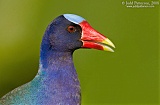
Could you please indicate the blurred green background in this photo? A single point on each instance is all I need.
(129, 76)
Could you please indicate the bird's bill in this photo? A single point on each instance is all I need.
(93, 39)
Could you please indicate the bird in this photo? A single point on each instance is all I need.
(56, 82)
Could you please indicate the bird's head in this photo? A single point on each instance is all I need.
(69, 32)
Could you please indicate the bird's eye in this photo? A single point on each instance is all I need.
(71, 29)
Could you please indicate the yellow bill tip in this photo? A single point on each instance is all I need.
(106, 48)
(108, 42)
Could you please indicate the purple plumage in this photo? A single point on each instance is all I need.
(56, 82)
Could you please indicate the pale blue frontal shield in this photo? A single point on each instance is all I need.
(74, 18)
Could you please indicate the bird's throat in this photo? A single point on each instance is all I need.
(59, 77)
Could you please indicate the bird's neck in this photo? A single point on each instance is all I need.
(58, 66)
(58, 75)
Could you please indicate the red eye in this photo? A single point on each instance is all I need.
(71, 29)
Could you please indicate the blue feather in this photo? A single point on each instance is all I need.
(56, 82)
